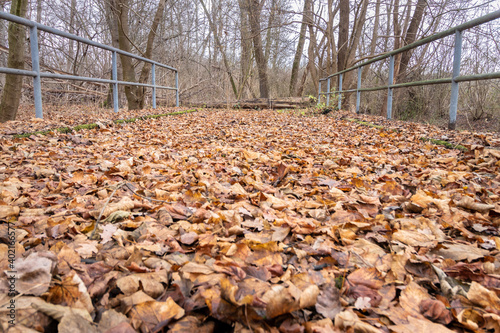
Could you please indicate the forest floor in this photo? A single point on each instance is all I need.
(247, 221)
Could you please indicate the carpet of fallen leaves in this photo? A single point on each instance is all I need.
(56, 116)
(246, 221)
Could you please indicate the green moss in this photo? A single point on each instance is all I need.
(434, 141)
(445, 144)
(85, 126)
(93, 125)
(365, 123)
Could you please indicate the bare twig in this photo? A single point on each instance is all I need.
(128, 186)
(104, 207)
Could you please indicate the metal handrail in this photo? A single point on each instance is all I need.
(454, 80)
(37, 74)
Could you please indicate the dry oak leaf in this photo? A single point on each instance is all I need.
(71, 292)
(33, 273)
(492, 321)
(192, 267)
(285, 298)
(107, 232)
(152, 314)
(471, 319)
(469, 203)
(73, 323)
(84, 247)
(362, 303)
(319, 326)
(110, 319)
(347, 320)
(58, 311)
(152, 283)
(416, 325)
(369, 277)
(67, 258)
(414, 238)
(192, 324)
(483, 297)
(137, 298)
(459, 252)
(328, 302)
(423, 200)
(436, 311)
(125, 204)
(7, 212)
(27, 319)
(410, 299)
(189, 238)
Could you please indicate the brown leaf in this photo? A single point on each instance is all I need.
(152, 314)
(349, 320)
(192, 324)
(416, 325)
(192, 267)
(414, 238)
(459, 252)
(73, 323)
(71, 291)
(125, 204)
(436, 311)
(7, 212)
(328, 302)
(469, 203)
(151, 283)
(32, 274)
(483, 297)
(189, 238)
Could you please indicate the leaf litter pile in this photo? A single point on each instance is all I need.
(237, 221)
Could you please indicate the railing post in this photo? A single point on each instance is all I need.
(358, 93)
(454, 85)
(177, 88)
(328, 92)
(153, 82)
(114, 76)
(35, 66)
(389, 89)
(340, 91)
(319, 93)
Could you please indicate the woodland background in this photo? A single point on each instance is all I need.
(238, 49)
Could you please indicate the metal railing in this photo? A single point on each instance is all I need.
(454, 80)
(38, 75)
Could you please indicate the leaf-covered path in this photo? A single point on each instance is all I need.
(250, 221)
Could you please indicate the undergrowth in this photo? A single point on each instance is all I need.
(94, 125)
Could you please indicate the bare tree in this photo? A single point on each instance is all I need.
(300, 47)
(220, 48)
(11, 95)
(254, 13)
(135, 95)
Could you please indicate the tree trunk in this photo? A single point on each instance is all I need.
(11, 96)
(71, 58)
(218, 45)
(343, 34)
(146, 69)
(246, 48)
(112, 21)
(269, 33)
(343, 51)
(300, 48)
(311, 49)
(411, 36)
(356, 34)
(373, 42)
(131, 92)
(255, 8)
